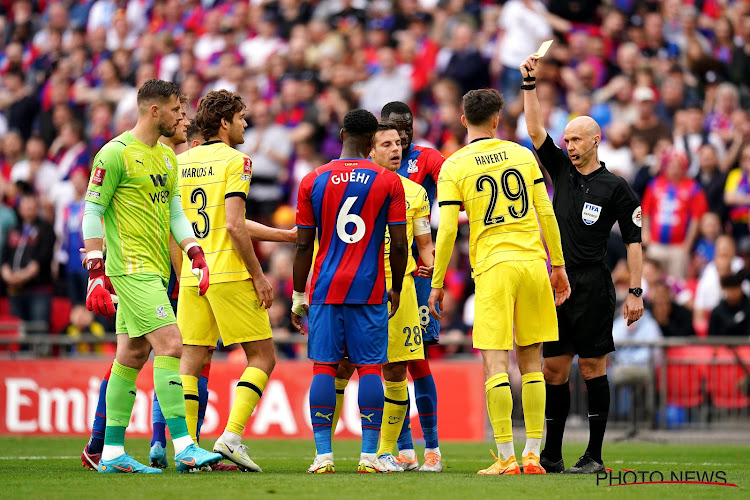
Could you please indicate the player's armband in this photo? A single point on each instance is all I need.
(422, 226)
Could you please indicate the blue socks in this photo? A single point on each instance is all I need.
(426, 395)
(202, 403)
(371, 400)
(96, 442)
(322, 406)
(159, 425)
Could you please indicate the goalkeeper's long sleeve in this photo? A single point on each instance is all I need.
(548, 221)
(179, 224)
(92, 220)
(446, 238)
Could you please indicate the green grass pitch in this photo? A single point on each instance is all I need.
(50, 468)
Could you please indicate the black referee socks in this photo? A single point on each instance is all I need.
(556, 413)
(598, 399)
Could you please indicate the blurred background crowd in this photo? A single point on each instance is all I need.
(667, 81)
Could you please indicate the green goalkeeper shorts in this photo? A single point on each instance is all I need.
(143, 304)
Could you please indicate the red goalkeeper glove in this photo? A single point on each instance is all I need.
(200, 267)
(100, 291)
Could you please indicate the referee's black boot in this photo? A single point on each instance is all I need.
(585, 465)
(550, 466)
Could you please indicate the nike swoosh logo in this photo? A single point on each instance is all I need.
(190, 463)
(129, 469)
(229, 448)
(414, 350)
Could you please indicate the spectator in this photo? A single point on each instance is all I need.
(690, 136)
(27, 264)
(732, 316)
(737, 195)
(719, 120)
(391, 83)
(35, 169)
(269, 147)
(705, 248)
(69, 150)
(672, 207)
(615, 150)
(673, 319)
(647, 125)
(708, 291)
(18, 103)
(68, 231)
(82, 322)
(12, 150)
(256, 50)
(464, 62)
(711, 179)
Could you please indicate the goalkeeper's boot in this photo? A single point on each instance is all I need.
(432, 463)
(531, 465)
(90, 460)
(125, 464)
(193, 458)
(390, 463)
(407, 459)
(369, 466)
(585, 465)
(507, 467)
(238, 455)
(552, 466)
(157, 457)
(323, 464)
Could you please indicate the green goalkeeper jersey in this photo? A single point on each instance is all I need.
(135, 183)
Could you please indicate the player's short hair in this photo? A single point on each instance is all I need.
(386, 125)
(360, 122)
(157, 90)
(397, 107)
(192, 132)
(482, 104)
(214, 106)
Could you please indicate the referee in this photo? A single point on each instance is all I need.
(588, 200)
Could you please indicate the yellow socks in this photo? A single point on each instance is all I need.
(499, 409)
(341, 384)
(394, 411)
(533, 396)
(190, 391)
(246, 396)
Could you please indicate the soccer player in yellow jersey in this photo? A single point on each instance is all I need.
(215, 180)
(500, 185)
(404, 328)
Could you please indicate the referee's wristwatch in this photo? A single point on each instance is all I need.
(637, 291)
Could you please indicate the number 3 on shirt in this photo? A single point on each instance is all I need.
(200, 233)
(345, 218)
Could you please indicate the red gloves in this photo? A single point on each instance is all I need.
(99, 292)
(200, 267)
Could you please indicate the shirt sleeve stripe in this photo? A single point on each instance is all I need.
(541, 179)
(239, 194)
(444, 203)
(396, 223)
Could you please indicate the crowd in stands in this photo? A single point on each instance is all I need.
(666, 80)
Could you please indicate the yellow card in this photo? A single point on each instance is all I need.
(543, 48)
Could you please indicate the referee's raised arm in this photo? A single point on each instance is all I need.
(531, 107)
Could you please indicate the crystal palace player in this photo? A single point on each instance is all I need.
(349, 202)
(421, 165)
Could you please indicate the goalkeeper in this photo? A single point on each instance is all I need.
(134, 187)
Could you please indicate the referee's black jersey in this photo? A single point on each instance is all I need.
(587, 207)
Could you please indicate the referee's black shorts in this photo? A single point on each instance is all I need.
(585, 320)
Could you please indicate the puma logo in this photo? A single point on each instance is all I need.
(368, 417)
(327, 417)
(139, 161)
(172, 382)
(132, 392)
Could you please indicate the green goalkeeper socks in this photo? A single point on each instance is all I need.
(120, 399)
(168, 387)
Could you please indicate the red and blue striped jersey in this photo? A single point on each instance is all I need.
(349, 202)
(422, 165)
(671, 207)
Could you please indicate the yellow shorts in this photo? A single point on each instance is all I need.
(514, 293)
(230, 309)
(404, 328)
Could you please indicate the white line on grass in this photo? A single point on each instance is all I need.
(39, 457)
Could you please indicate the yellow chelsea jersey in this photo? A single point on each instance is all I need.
(417, 205)
(494, 181)
(209, 174)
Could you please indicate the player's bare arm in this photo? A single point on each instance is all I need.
(633, 309)
(425, 246)
(398, 258)
(261, 232)
(242, 241)
(302, 262)
(531, 107)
